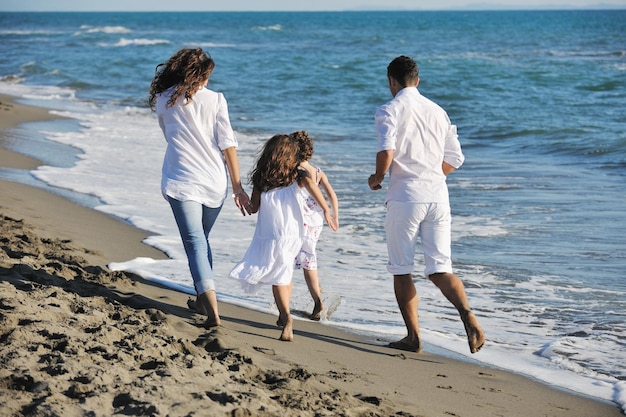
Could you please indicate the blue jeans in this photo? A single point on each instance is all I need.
(194, 224)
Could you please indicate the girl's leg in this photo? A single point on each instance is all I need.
(313, 283)
(194, 224)
(282, 296)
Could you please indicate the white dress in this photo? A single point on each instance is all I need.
(277, 240)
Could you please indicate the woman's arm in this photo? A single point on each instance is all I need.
(232, 164)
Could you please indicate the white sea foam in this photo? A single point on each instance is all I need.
(270, 27)
(123, 42)
(104, 29)
(17, 32)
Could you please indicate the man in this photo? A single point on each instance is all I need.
(419, 146)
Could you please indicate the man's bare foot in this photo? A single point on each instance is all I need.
(407, 344)
(212, 322)
(316, 314)
(475, 334)
(287, 334)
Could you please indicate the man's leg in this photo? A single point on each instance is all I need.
(402, 227)
(453, 289)
(406, 296)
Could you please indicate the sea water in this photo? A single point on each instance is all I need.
(539, 214)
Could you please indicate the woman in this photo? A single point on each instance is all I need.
(201, 148)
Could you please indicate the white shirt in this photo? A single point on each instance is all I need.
(422, 137)
(196, 133)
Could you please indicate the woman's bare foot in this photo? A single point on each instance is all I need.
(206, 304)
(195, 306)
(316, 314)
(475, 334)
(287, 334)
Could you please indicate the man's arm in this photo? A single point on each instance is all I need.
(447, 168)
(383, 162)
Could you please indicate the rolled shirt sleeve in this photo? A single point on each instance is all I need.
(452, 153)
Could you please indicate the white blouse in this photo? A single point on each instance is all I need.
(194, 167)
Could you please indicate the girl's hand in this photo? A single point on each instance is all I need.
(333, 222)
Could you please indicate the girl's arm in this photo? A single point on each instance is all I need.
(330, 193)
(241, 197)
(310, 185)
(255, 201)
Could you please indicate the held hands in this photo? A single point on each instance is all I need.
(242, 201)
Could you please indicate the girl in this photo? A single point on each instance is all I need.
(201, 147)
(313, 222)
(277, 195)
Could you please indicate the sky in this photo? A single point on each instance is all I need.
(306, 5)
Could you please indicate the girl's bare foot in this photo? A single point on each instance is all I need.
(316, 314)
(287, 334)
(475, 334)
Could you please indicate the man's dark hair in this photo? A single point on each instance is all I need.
(403, 69)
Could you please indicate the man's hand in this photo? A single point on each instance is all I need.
(374, 183)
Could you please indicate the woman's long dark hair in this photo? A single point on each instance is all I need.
(187, 70)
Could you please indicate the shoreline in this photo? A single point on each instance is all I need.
(175, 365)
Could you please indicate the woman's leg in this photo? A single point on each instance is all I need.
(206, 303)
(194, 224)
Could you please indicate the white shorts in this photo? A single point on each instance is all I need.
(430, 222)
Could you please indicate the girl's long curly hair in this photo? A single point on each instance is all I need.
(187, 70)
(306, 144)
(277, 165)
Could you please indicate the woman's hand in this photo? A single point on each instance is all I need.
(242, 201)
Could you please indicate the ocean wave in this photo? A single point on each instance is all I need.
(123, 42)
(104, 29)
(12, 78)
(593, 53)
(18, 32)
(217, 45)
(605, 86)
(271, 27)
(33, 67)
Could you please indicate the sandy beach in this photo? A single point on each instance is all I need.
(79, 339)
